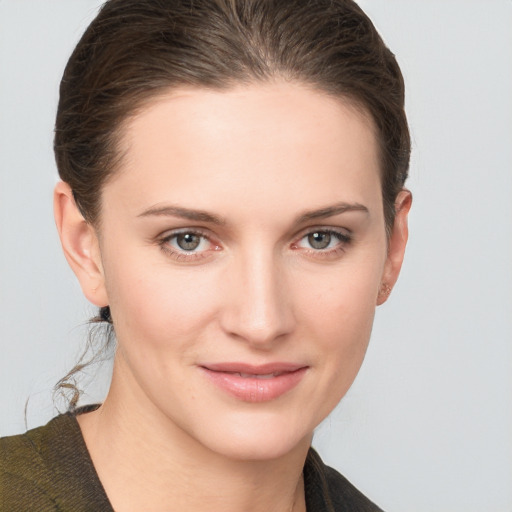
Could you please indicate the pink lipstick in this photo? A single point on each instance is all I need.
(255, 383)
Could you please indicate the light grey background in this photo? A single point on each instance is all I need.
(428, 424)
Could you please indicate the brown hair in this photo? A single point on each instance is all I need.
(135, 50)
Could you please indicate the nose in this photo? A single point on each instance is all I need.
(258, 308)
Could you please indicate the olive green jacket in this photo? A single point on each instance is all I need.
(49, 469)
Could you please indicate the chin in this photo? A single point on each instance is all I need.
(241, 450)
(258, 439)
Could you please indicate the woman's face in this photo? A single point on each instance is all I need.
(242, 249)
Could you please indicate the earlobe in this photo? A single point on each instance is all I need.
(396, 246)
(80, 245)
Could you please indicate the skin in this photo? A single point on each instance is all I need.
(259, 159)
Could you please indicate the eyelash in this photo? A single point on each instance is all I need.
(343, 238)
(183, 255)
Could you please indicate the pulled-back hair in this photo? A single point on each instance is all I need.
(136, 50)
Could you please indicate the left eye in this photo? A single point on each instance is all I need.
(188, 242)
(321, 240)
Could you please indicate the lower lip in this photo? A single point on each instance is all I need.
(252, 389)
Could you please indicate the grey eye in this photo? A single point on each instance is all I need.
(188, 241)
(319, 240)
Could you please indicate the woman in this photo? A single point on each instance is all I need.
(232, 200)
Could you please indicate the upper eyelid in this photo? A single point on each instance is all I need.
(170, 233)
(327, 229)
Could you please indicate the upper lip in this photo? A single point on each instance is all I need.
(255, 369)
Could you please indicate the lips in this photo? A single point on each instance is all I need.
(255, 383)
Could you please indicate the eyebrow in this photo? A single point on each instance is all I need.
(331, 211)
(204, 216)
(184, 213)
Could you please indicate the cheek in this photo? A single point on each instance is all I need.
(152, 303)
(342, 300)
(339, 316)
(345, 323)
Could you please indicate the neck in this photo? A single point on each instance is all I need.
(145, 462)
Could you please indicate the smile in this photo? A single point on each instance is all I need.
(255, 383)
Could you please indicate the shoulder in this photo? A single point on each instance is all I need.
(329, 491)
(24, 477)
(49, 469)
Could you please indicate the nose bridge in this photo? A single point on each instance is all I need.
(259, 310)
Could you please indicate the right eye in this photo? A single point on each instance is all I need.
(188, 241)
(187, 245)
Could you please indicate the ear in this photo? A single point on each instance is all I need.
(396, 245)
(80, 245)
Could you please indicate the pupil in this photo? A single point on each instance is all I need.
(188, 241)
(319, 240)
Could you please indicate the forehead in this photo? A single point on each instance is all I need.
(267, 140)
